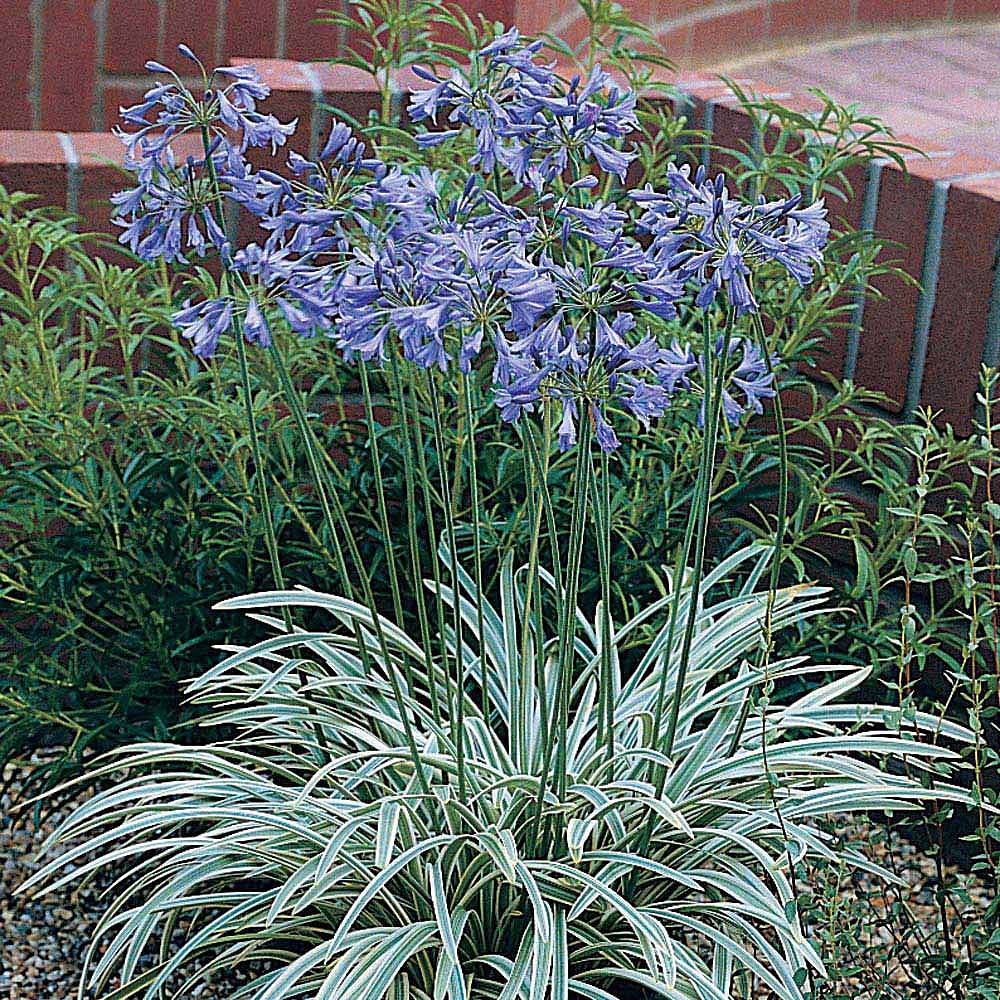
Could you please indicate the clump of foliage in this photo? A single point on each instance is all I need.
(314, 840)
(134, 499)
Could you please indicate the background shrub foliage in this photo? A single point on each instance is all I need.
(128, 504)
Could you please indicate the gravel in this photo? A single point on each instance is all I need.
(43, 938)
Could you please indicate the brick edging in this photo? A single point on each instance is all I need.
(920, 347)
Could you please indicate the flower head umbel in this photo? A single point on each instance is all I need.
(536, 269)
(225, 106)
(587, 372)
(703, 234)
(268, 284)
(176, 205)
(525, 118)
(173, 208)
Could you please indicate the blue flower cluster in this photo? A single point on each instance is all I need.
(175, 204)
(702, 234)
(524, 118)
(537, 270)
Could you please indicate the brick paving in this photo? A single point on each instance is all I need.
(942, 87)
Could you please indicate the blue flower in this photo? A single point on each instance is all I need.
(171, 208)
(589, 373)
(204, 323)
(255, 325)
(524, 118)
(231, 107)
(676, 364)
(749, 379)
(702, 234)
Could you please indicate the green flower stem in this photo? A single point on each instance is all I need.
(658, 773)
(337, 523)
(780, 528)
(549, 725)
(260, 475)
(264, 498)
(567, 636)
(270, 540)
(539, 480)
(457, 717)
(411, 530)
(713, 413)
(383, 509)
(432, 537)
(683, 555)
(535, 474)
(601, 502)
(470, 419)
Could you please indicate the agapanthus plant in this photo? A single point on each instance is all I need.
(357, 884)
(499, 808)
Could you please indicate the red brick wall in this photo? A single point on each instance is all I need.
(69, 64)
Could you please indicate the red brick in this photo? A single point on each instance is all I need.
(887, 337)
(15, 62)
(676, 44)
(961, 306)
(944, 165)
(349, 89)
(130, 36)
(100, 156)
(732, 129)
(894, 12)
(973, 8)
(291, 95)
(305, 38)
(721, 35)
(575, 32)
(192, 23)
(533, 18)
(802, 19)
(491, 11)
(251, 29)
(69, 59)
(34, 162)
(989, 186)
(903, 207)
(658, 14)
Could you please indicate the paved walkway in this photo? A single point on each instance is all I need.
(944, 87)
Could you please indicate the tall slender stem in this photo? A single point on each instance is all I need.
(263, 494)
(458, 717)
(432, 541)
(411, 530)
(567, 638)
(693, 529)
(601, 500)
(383, 508)
(338, 524)
(470, 419)
(548, 721)
(713, 413)
(260, 474)
(780, 527)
